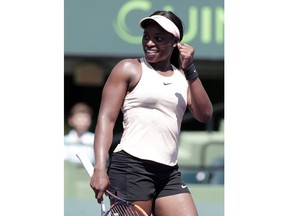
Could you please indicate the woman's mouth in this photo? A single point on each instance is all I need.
(151, 51)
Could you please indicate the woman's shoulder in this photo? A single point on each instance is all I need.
(128, 70)
(128, 63)
(130, 67)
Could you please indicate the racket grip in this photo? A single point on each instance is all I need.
(90, 169)
(86, 163)
(103, 210)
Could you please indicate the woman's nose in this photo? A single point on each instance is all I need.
(150, 43)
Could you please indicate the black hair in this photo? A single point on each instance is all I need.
(175, 60)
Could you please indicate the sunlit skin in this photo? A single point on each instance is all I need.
(158, 46)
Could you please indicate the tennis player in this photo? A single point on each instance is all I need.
(153, 93)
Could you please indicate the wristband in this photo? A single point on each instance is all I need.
(190, 72)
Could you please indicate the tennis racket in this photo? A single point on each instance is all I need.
(120, 207)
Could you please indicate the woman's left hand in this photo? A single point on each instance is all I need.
(186, 54)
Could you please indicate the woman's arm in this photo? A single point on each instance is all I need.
(198, 101)
(113, 95)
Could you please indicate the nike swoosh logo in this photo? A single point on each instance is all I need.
(166, 83)
(183, 186)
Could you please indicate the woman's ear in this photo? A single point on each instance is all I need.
(176, 41)
(177, 44)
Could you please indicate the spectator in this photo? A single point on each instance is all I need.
(79, 138)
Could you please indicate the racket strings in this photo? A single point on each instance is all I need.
(124, 209)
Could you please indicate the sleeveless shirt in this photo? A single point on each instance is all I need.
(152, 116)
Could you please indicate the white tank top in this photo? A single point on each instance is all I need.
(152, 116)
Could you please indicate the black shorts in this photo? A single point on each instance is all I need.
(135, 179)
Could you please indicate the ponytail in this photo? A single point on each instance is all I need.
(175, 60)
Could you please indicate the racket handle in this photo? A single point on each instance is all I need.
(103, 210)
(90, 170)
(86, 163)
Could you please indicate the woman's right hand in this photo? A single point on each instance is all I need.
(99, 183)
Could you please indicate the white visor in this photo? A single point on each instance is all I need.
(165, 23)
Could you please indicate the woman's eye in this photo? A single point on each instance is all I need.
(159, 39)
(155, 39)
(145, 37)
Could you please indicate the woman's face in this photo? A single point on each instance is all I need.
(157, 43)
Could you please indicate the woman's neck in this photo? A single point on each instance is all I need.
(161, 67)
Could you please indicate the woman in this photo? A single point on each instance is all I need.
(153, 93)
